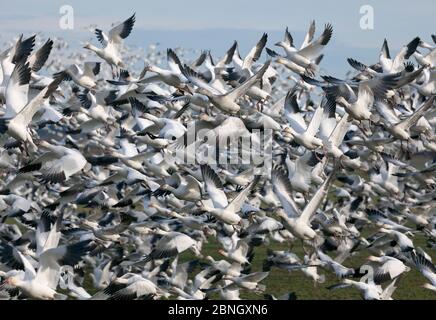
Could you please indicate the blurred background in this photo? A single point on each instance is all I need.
(213, 25)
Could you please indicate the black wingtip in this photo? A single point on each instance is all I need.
(96, 69)
(30, 167)
(138, 105)
(271, 53)
(356, 64)
(327, 34)
(24, 73)
(42, 55)
(411, 47)
(57, 177)
(208, 173)
(23, 49)
(409, 67)
(385, 49)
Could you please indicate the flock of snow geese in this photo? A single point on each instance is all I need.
(93, 206)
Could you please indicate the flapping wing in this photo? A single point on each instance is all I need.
(410, 121)
(51, 260)
(315, 122)
(317, 199)
(17, 89)
(245, 86)
(27, 113)
(380, 85)
(386, 110)
(239, 200)
(283, 190)
(101, 37)
(340, 130)
(173, 61)
(39, 58)
(9, 256)
(22, 49)
(314, 49)
(198, 80)
(91, 69)
(214, 187)
(122, 31)
(227, 58)
(405, 52)
(309, 35)
(255, 52)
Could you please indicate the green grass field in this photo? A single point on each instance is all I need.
(281, 281)
(409, 286)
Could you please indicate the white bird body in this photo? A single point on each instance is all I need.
(112, 42)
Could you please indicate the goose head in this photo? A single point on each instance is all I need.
(281, 44)
(209, 259)
(13, 281)
(374, 259)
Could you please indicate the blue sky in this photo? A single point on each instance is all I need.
(215, 24)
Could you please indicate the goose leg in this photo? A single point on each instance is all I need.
(304, 249)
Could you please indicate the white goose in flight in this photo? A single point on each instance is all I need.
(428, 59)
(183, 187)
(84, 78)
(400, 129)
(397, 64)
(21, 52)
(254, 54)
(222, 209)
(300, 171)
(100, 114)
(297, 222)
(237, 254)
(112, 43)
(57, 165)
(17, 89)
(42, 282)
(427, 269)
(244, 70)
(128, 287)
(18, 126)
(302, 133)
(389, 269)
(171, 244)
(339, 270)
(172, 76)
(225, 101)
(370, 290)
(13, 55)
(306, 55)
(356, 97)
(249, 281)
